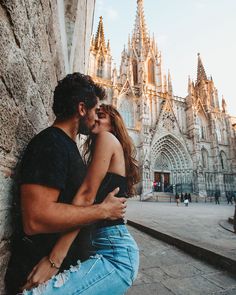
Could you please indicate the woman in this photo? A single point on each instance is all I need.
(108, 170)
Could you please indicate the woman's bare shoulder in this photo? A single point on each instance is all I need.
(106, 136)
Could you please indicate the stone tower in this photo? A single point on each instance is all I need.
(100, 59)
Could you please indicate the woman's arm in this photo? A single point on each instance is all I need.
(104, 150)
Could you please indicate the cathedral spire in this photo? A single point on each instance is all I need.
(170, 89)
(201, 74)
(165, 84)
(140, 35)
(224, 105)
(100, 38)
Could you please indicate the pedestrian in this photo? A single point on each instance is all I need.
(186, 202)
(182, 197)
(234, 197)
(189, 198)
(217, 201)
(177, 199)
(229, 198)
(185, 196)
(53, 176)
(154, 186)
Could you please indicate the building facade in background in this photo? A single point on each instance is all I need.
(184, 143)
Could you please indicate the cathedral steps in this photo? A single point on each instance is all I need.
(159, 197)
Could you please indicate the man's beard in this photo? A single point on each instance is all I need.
(83, 127)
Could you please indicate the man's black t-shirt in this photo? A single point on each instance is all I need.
(51, 159)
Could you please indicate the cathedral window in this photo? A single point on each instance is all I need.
(218, 133)
(203, 129)
(151, 74)
(127, 112)
(100, 67)
(223, 160)
(135, 72)
(205, 162)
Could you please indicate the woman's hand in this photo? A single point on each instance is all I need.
(42, 272)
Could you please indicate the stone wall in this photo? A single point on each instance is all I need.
(33, 57)
(31, 62)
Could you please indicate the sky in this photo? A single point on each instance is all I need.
(182, 28)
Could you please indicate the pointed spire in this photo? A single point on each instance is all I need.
(140, 36)
(108, 45)
(165, 84)
(224, 105)
(189, 85)
(201, 74)
(100, 38)
(170, 89)
(114, 74)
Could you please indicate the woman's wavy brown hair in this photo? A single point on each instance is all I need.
(120, 132)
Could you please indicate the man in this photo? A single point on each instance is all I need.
(217, 195)
(51, 172)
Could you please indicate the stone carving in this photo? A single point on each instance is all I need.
(168, 121)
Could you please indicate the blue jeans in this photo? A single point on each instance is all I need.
(111, 268)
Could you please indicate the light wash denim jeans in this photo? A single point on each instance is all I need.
(111, 269)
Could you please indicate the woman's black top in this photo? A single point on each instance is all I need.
(109, 183)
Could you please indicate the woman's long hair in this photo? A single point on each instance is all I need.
(120, 132)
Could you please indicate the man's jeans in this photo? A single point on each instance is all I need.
(111, 269)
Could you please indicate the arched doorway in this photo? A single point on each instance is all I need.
(171, 165)
(162, 172)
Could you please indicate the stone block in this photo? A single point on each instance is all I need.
(4, 258)
(185, 286)
(7, 40)
(8, 119)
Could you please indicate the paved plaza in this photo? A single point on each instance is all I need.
(197, 224)
(164, 269)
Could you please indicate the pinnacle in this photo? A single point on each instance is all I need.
(100, 38)
(201, 74)
(140, 34)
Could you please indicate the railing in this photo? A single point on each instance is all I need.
(168, 189)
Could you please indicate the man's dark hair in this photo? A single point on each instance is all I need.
(72, 90)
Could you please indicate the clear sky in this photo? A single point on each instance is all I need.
(182, 28)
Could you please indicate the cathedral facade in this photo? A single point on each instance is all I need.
(185, 144)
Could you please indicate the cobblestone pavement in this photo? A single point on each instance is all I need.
(165, 270)
(198, 223)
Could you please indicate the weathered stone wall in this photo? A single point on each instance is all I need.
(33, 57)
(31, 62)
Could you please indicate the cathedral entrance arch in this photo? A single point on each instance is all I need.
(171, 164)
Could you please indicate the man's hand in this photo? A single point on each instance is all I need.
(42, 272)
(114, 207)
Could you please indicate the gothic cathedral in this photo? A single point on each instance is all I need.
(184, 144)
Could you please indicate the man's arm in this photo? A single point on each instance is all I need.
(43, 214)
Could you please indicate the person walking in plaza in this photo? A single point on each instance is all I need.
(182, 197)
(234, 197)
(217, 201)
(186, 202)
(177, 199)
(229, 198)
(189, 197)
(51, 174)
